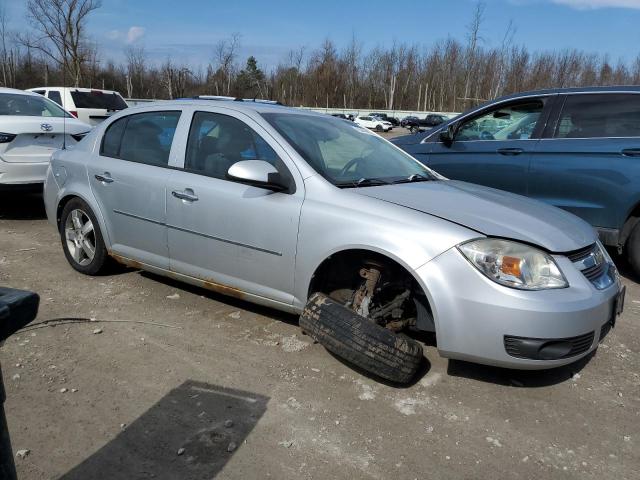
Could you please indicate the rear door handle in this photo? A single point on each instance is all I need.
(631, 152)
(187, 195)
(510, 151)
(104, 178)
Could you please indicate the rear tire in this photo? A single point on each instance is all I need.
(633, 249)
(82, 239)
(360, 341)
(379, 128)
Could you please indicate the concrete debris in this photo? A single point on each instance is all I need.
(97, 331)
(16, 377)
(63, 390)
(286, 444)
(494, 441)
(180, 451)
(293, 344)
(228, 423)
(232, 447)
(23, 453)
(174, 296)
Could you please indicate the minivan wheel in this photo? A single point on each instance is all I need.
(633, 249)
(379, 128)
(82, 240)
(360, 341)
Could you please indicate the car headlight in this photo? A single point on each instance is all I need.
(514, 264)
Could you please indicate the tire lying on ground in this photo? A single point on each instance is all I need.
(360, 341)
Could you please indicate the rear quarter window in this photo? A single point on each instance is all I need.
(599, 116)
(98, 99)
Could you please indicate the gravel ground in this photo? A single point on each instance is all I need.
(170, 381)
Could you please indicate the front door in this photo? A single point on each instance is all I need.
(129, 178)
(494, 147)
(228, 233)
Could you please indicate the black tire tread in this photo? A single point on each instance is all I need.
(633, 249)
(360, 341)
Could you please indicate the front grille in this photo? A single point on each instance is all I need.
(592, 273)
(532, 348)
(581, 254)
(593, 264)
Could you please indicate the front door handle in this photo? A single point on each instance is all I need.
(631, 152)
(510, 151)
(104, 178)
(186, 194)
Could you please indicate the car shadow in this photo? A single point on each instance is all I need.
(234, 302)
(20, 205)
(192, 432)
(517, 378)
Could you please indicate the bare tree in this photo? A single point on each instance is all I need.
(135, 69)
(472, 46)
(59, 32)
(225, 53)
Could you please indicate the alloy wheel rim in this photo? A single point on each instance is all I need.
(80, 237)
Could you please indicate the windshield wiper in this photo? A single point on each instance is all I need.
(363, 182)
(416, 177)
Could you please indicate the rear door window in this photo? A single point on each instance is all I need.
(143, 137)
(97, 99)
(55, 96)
(599, 116)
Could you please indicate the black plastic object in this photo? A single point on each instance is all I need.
(17, 309)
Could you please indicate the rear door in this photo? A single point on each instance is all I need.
(128, 176)
(589, 161)
(493, 147)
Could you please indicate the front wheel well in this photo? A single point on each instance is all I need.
(342, 271)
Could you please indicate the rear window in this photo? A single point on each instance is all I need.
(98, 99)
(599, 115)
(29, 105)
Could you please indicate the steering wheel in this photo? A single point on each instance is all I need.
(484, 135)
(350, 163)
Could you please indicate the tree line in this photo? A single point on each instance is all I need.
(450, 75)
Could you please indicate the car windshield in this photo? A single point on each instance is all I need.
(29, 105)
(345, 153)
(98, 99)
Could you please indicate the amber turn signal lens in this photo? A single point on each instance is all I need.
(511, 266)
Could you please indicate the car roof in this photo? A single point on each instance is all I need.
(553, 91)
(74, 89)
(17, 91)
(248, 107)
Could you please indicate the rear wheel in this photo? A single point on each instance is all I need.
(82, 239)
(379, 128)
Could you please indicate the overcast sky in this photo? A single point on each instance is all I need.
(188, 29)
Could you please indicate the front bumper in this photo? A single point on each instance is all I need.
(19, 173)
(473, 314)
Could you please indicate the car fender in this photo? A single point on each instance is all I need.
(350, 221)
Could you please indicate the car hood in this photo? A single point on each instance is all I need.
(491, 212)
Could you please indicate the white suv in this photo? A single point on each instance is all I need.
(374, 123)
(89, 105)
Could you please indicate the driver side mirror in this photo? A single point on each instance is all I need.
(448, 134)
(258, 173)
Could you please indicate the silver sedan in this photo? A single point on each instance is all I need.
(272, 204)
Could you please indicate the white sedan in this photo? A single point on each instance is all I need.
(374, 123)
(31, 129)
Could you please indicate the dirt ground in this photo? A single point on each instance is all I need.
(175, 382)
